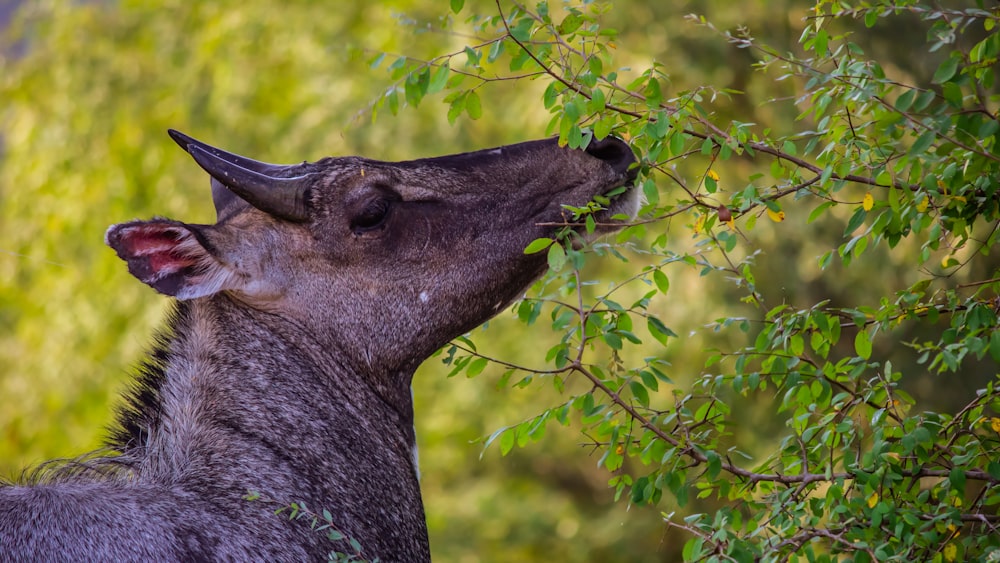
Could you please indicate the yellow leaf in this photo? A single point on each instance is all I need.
(873, 500)
(950, 552)
(893, 456)
(699, 224)
(731, 223)
(713, 175)
(868, 202)
(776, 216)
(995, 424)
(946, 261)
(922, 206)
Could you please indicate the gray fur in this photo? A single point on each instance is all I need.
(285, 366)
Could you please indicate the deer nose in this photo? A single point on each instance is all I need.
(615, 152)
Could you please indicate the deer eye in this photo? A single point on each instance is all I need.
(372, 215)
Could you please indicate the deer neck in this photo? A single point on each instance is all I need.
(237, 382)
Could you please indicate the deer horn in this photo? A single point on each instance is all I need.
(285, 198)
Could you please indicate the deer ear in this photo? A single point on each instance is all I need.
(171, 257)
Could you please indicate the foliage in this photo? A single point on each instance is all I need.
(910, 168)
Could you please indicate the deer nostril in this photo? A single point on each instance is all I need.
(614, 151)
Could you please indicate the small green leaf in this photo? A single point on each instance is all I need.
(661, 280)
(557, 257)
(613, 340)
(456, 108)
(538, 245)
(945, 71)
(659, 330)
(677, 141)
(476, 367)
(571, 23)
(438, 80)
(473, 106)
(863, 344)
(904, 101)
(472, 57)
(871, 16)
(507, 442)
(922, 143)
(495, 51)
(640, 392)
(714, 465)
(995, 345)
(456, 6)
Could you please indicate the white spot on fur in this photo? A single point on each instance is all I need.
(424, 297)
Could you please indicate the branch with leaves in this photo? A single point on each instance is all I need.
(903, 166)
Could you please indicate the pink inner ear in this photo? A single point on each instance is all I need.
(155, 249)
(150, 239)
(167, 263)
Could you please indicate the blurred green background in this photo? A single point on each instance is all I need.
(87, 90)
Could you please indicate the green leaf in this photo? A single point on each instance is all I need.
(945, 70)
(570, 23)
(507, 442)
(957, 478)
(472, 57)
(456, 5)
(816, 213)
(995, 345)
(495, 51)
(456, 108)
(693, 549)
(557, 257)
(473, 106)
(438, 79)
(538, 245)
(871, 17)
(714, 465)
(522, 30)
(661, 280)
(392, 99)
(904, 101)
(863, 344)
(677, 142)
(922, 143)
(603, 127)
(613, 340)
(640, 392)
(659, 330)
(476, 367)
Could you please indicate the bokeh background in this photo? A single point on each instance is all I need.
(87, 90)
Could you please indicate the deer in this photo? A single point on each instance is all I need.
(285, 365)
